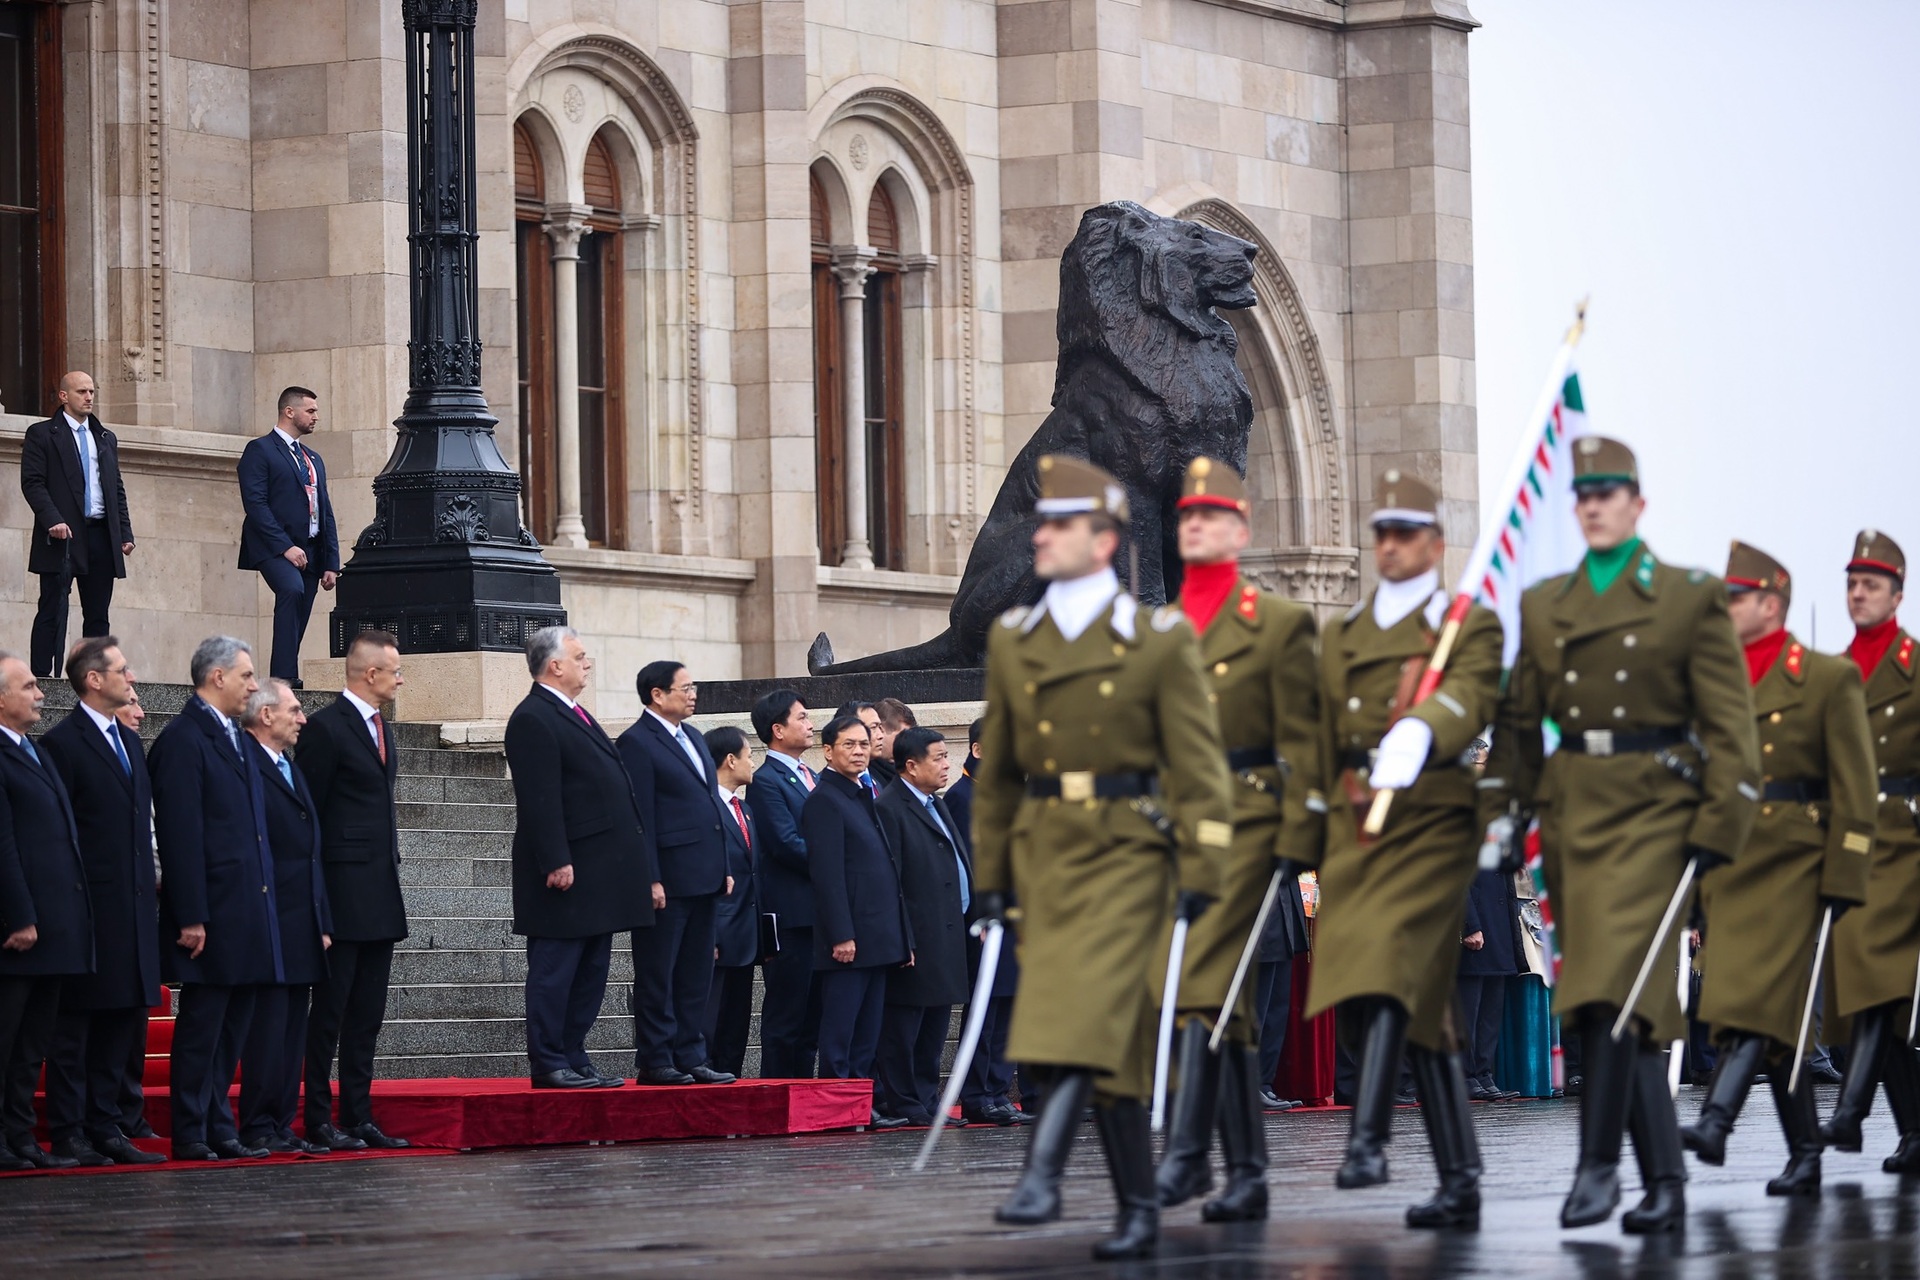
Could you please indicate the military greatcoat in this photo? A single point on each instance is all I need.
(1812, 840)
(1391, 909)
(1258, 654)
(1655, 651)
(1877, 947)
(1093, 878)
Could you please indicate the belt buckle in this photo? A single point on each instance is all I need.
(1599, 742)
(1076, 786)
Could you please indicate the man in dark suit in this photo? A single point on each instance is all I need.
(219, 922)
(1489, 956)
(895, 717)
(276, 1045)
(680, 810)
(935, 877)
(736, 917)
(983, 1098)
(103, 1016)
(879, 770)
(133, 1094)
(82, 532)
(46, 922)
(1284, 938)
(861, 929)
(790, 999)
(582, 863)
(288, 534)
(352, 766)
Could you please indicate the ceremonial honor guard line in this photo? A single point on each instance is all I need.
(452, 1074)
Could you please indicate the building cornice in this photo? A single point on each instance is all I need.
(1360, 15)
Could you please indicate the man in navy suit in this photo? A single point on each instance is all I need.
(736, 917)
(679, 795)
(288, 534)
(790, 1001)
(219, 921)
(983, 1099)
(276, 1047)
(46, 920)
(82, 532)
(103, 1017)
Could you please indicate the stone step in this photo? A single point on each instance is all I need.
(438, 762)
(466, 1001)
(436, 901)
(454, 816)
(455, 844)
(439, 1066)
(458, 1037)
(414, 734)
(487, 932)
(432, 788)
(508, 965)
(456, 871)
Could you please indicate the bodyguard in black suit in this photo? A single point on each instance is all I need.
(276, 1042)
(352, 766)
(1490, 954)
(1284, 938)
(288, 534)
(103, 1016)
(861, 930)
(583, 868)
(219, 921)
(679, 797)
(46, 921)
(736, 916)
(983, 1098)
(82, 531)
(790, 1001)
(936, 874)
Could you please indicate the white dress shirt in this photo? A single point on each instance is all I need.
(571, 704)
(1076, 603)
(106, 725)
(298, 452)
(96, 501)
(367, 713)
(679, 735)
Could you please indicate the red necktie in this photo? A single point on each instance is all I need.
(740, 816)
(582, 713)
(380, 735)
(806, 776)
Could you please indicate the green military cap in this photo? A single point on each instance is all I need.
(1211, 483)
(1751, 569)
(1073, 486)
(1404, 499)
(1601, 462)
(1875, 552)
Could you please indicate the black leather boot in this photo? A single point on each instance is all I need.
(1801, 1123)
(1384, 1030)
(1125, 1135)
(1442, 1084)
(1243, 1139)
(1733, 1075)
(1872, 1037)
(1656, 1147)
(1036, 1197)
(1607, 1075)
(1185, 1171)
(1902, 1083)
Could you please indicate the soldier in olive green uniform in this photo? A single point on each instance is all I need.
(1392, 909)
(1638, 665)
(1808, 854)
(1104, 787)
(1258, 652)
(1870, 977)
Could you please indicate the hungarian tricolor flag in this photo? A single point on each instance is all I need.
(1537, 535)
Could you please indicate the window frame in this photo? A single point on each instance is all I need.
(50, 296)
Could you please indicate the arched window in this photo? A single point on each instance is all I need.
(830, 480)
(534, 333)
(886, 448)
(32, 293)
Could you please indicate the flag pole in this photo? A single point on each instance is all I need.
(1482, 554)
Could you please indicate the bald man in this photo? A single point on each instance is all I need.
(70, 476)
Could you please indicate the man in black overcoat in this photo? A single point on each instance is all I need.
(936, 880)
(46, 919)
(219, 922)
(736, 916)
(352, 765)
(1489, 956)
(583, 869)
(100, 1041)
(276, 1044)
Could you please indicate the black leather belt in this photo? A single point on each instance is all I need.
(1908, 786)
(1797, 792)
(1606, 742)
(1094, 786)
(1244, 758)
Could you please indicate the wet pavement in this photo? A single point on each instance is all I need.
(848, 1206)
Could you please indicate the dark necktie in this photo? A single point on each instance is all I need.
(27, 743)
(119, 749)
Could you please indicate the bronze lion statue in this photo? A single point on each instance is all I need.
(1146, 382)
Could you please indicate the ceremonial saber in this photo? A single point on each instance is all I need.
(1653, 952)
(1483, 547)
(992, 937)
(1913, 1020)
(1813, 993)
(1163, 1051)
(1246, 958)
(1677, 1054)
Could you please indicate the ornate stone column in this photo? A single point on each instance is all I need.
(565, 224)
(852, 266)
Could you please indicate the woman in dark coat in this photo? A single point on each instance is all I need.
(1489, 956)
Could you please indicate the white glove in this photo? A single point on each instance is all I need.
(1402, 752)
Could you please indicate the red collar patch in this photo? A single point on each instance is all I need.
(1795, 654)
(1904, 654)
(1250, 600)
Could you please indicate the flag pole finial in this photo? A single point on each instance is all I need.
(1579, 320)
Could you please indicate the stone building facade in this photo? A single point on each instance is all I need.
(767, 286)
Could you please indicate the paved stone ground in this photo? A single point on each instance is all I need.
(845, 1206)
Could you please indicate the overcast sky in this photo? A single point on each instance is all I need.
(1734, 182)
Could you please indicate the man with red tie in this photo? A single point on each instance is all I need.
(736, 916)
(790, 1007)
(289, 534)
